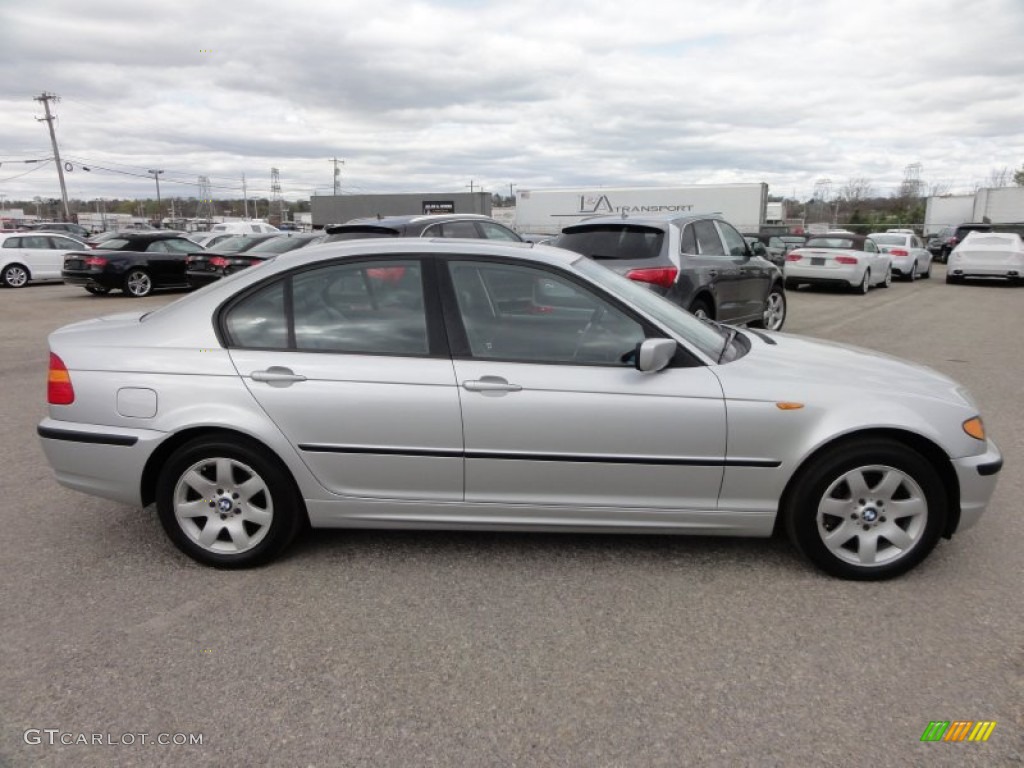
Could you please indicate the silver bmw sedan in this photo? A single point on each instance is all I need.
(482, 385)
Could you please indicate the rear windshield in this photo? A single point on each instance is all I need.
(360, 232)
(830, 242)
(613, 241)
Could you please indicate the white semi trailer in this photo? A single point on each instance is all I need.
(548, 211)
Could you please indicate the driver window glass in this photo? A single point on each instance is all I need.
(459, 229)
(530, 315)
(733, 240)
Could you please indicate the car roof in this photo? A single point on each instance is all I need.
(658, 220)
(150, 235)
(397, 222)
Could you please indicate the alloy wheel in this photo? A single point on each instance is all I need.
(872, 515)
(15, 276)
(223, 506)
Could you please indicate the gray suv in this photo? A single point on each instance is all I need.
(698, 261)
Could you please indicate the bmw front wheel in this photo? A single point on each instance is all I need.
(871, 510)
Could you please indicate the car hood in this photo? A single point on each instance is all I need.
(797, 368)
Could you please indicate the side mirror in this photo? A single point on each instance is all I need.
(654, 354)
(759, 249)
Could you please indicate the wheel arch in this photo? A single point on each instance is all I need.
(15, 263)
(707, 297)
(159, 457)
(932, 452)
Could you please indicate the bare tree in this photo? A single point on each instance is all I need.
(856, 190)
(1000, 177)
(938, 189)
(1018, 177)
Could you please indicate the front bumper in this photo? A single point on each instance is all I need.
(99, 460)
(977, 476)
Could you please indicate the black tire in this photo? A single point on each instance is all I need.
(864, 516)
(702, 306)
(928, 272)
(247, 531)
(15, 276)
(912, 276)
(773, 321)
(865, 284)
(137, 283)
(97, 290)
(888, 279)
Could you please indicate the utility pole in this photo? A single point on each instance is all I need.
(511, 194)
(337, 174)
(156, 175)
(471, 186)
(46, 98)
(245, 198)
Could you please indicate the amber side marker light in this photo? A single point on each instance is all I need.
(789, 406)
(58, 383)
(975, 428)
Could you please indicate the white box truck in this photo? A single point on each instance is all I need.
(947, 211)
(547, 211)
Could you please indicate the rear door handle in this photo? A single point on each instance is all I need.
(277, 376)
(490, 384)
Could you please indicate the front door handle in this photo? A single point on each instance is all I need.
(277, 376)
(490, 384)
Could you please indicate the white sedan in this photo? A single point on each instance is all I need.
(910, 258)
(987, 255)
(850, 261)
(28, 256)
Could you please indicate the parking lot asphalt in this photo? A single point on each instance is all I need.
(466, 649)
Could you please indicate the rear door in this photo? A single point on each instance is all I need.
(345, 361)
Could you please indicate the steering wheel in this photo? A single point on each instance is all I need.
(595, 319)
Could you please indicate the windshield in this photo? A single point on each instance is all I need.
(707, 338)
(234, 244)
(830, 242)
(889, 239)
(281, 245)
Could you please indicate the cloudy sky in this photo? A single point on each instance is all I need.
(436, 95)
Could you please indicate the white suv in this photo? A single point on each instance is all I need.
(28, 256)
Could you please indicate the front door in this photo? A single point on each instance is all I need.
(557, 419)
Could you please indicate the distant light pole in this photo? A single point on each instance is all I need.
(156, 175)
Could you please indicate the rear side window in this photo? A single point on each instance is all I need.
(613, 241)
(708, 241)
(497, 232)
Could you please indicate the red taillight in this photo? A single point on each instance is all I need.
(95, 261)
(255, 262)
(793, 257)
(899, 252)
(663, 276)
(58, 383)
(846, 259)
(218, 261)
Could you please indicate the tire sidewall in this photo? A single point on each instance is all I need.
(288, 509)
(815, 479)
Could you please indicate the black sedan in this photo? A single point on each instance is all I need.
(205, 268)
(134, 262)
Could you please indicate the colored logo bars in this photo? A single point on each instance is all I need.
(958, 730)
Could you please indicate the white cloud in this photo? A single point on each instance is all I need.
(430, 95)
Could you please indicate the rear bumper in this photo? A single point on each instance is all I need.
(99, 460)
(977, 476)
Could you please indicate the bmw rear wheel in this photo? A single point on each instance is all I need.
(14, 276)
(138, 283)
(227, 503)
(871, 510)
